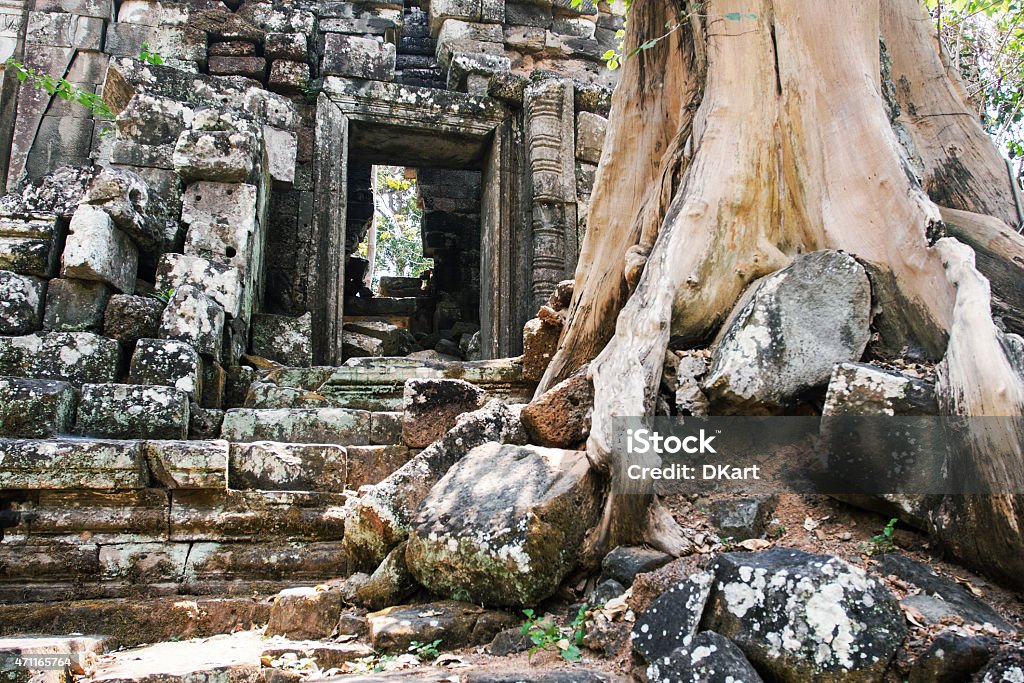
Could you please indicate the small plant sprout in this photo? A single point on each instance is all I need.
(425, 650)
(882, 543)
(547, 635)
(150, 57)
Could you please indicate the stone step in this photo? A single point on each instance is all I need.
(271, 466)
(405, 62)
(417, 46)
(418, 78)
(81, 651)
(415, 28)
(341, 426)
(132, 411)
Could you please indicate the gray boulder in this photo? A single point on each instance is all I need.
(788, 332)
(478, 539)
(800, 617)
(706, 658)
(21, 303)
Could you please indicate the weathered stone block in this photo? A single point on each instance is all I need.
(540, 341)
(153, 120)
(35, 408)
(76, 357)
(299, 425)
(479, 67)
(463, 36)
(192, 317)
(166, 362)
(125, 196)
(131, 318)
(560, 417)
(171, 42)
(287, 77)
(282, 146)
(71, 464)
(215, 379)
(76, 305)
(28, 245)
(395, 341)
(431, 407)
(223, 284)
(204, 423)
(358, 57)
(225, 156)
(479, 539)
(59, 29)
(130, 153)
(130, 411)
(102, 9)
(96, 250)
(372, 464)
(21, 303)
(283, 339)
(271, 466)
(305, 613)
(222, 221)
(455, 623)
(188, 464)
(249, 66)
(291, 46)
(386, 428)
(590, 130)
(466, 10)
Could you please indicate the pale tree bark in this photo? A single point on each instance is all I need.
(759, 132)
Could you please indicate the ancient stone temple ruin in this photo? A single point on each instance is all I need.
(181, 313)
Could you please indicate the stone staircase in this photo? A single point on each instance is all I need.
(259, 509)
(416, 62)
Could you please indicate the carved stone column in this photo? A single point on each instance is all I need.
(550, 141)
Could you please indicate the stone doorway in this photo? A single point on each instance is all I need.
(457, 142)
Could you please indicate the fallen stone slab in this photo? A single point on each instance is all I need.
(188, 464)
(560, 417)
(81, 652)
(229, 658)
(130, 411)
(431, 407)
(390, 584)
(273, 466)
(327, 655)
(298, 425)
(395, 341)
(283, 339)
(97, 250)
(476, 538)
(76, 357)
(305, 613)
(672, 619)
(29, 245)
(625, 562)
(456, 624)
(72, 464)
(36, 408)
(953, 657)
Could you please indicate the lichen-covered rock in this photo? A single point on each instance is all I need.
(283, 339)
(76, 357)
(221, 220)
(305, 613)
(790, 330)
(386, 428)
(75, 305)
(380, 519)
(862, 389)
(152, 120)
(590, 129)
(57, 193)
(274, 466)
(66, 464)
(477, 538)
(560, 417)
(800, 617)
(952, 658)
(223, 284)
(204, 423)
(395, 341)
(196, 319)
(96, 250)
(390, 583)
(166, 362)
(125, 197)
(221, 155)
(540, 341)
(358, 57)
(705, 658)
(431, 407)
(21, 303)
(130, 411)
(742, 518)
(188, 464)
(36, 408)
(29, 245)
(1006, 668)
(456, 624)
(131, 318)
(339, 426)
(672, 620)
(625, 562)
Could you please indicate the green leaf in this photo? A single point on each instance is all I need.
(734, 16)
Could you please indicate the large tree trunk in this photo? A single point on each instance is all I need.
(758, 132)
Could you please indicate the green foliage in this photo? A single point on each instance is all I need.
(398, 218)
(59, 87)
(984, 40)
(165, 295)
(425, 650)
(882, 543)
(150, 57)
(547, 635)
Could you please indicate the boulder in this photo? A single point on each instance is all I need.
(96, 250)
(75, 305)
(131, 318)
(705, 658)
(455, 624)
(380, 519)
(798, 616)
(196, 319)
(476, 538)
(788, 332)
(540, 341)
(36, 408)
(560, 417)
(390, 583)
(130, 411)
(356, 345)
(395, 341)
(952, 658)
(283, 339)
(431, 407)
(742, 518)
(1006, 668)
(125, 197)
(672, 619)
(859, 389)
(625, 562)
(305, 613)
(166, 362)
(21, 303)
